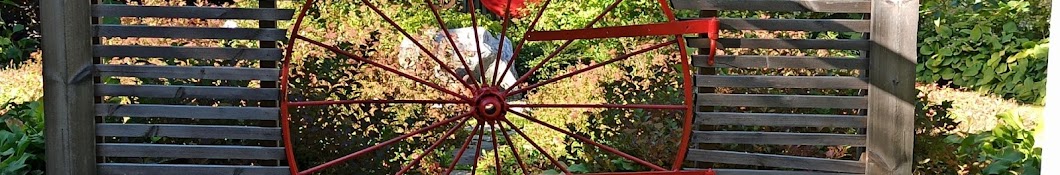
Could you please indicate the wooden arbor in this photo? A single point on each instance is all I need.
(74, 74)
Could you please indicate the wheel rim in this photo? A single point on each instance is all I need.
(487, 102)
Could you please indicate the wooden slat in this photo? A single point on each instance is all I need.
(189, 151)
(815, 82)
(762, 61)
(192, 112)
(759, 43)
(188, 131)
(783, 101)
(893, 96)
(772, 119)
(211, 92)
(142, 31)
(188, 52)
(812, 25)
(111, 10)
(185, 169)
(777, 138)
(781, 161)
(834, 6)
(196, 72)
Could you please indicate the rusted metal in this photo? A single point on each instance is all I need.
(449, 36)
(618, 106)
(344, 102)
(285, 115)
(429, 150)
(511, 145)
(583, 139)
(500, 45)
(463, 148)
(558, 164)
(657, 29)
(530, 29)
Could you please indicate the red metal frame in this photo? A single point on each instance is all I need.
(487, 103)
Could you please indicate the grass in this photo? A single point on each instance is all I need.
(976, 111)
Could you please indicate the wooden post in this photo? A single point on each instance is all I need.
(892, 96)
(68, 93)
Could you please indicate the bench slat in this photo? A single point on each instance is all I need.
(772, 160)
(188, 131)
(777, 138)
(773, 119)
(105, 30)
(114, 10)
(783, 101)
(267, 54)
(189, 112)
(832, 6)
(211, 92)
(762, 61)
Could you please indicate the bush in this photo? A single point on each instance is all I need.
(22, 139)
(1007, 149)
(19, 30)
(991, 46)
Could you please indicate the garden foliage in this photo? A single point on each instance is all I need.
(991, 46)
(22, 138)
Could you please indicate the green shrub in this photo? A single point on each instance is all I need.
(19, 35)
(990, 46)
(933, 124)
(22, 139)
(1007, 149)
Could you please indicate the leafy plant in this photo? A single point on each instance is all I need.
(18, 31)
(991, 46)
(1007, 149)
(22, 139)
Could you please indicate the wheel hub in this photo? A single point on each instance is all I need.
(490, 104)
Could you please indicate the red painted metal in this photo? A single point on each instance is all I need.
(621, 106)
(511, 145)
(478, 45)
(487, 97)
(598, 65)
(518, 48)
(417, 42)
(496, 155)
(583, 139)
(526, 75)
(285, 115)
(657, 29)
(463, 148)
(342, 159)
(500, 45)
(448, 36)
(429, 150)
(381, 66)
(343, 102)
(558, 164)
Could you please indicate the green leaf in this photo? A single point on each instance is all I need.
(947, 73)
(976, 34)
(1009, 27)
(578, 168)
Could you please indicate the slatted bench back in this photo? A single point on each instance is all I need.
(177, 109)
(782, 94)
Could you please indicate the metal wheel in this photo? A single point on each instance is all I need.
(487, 101)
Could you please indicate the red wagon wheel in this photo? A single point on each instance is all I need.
(488, 103)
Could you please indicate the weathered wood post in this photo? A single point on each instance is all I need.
(68, 92)
(892, 96)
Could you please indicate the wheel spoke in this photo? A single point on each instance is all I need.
(589, 141)
(448, 36)
(463, 148)
(478, 147)
(511, 145)
(342, 159)
(496, 154)
(598, 65)
(561, 166)
(526, 75)
(478, 44)
(344, 102)
(518, 48)
(619, 106)
(384, 67)
(430, 149)
(500, 45)
(417, 42)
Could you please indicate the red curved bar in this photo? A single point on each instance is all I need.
(590, 141)
(285, 116)
(598, 65)
(712, 27)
